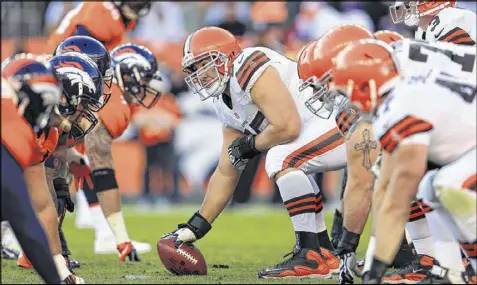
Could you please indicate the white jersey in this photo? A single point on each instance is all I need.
(242, 114)
(429, 108)
(453, 24)
(457, 60)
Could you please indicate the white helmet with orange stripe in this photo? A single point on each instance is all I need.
(410, 12)
(207, 60)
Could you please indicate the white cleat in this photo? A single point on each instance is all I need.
(108, 246)
(73, 279)
(8, 238)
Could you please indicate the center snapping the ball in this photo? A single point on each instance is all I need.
(183, 260)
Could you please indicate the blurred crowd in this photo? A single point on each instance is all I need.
(183, 143)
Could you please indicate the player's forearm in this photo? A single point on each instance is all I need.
(357, 204)
(274, 135)
(219, 192)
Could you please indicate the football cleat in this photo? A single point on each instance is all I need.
(303, 263)
(126, 249)
(71, 264)
(469, 274)
(23, 261)
(73, 279)
(332, 261)
(417, 270)
(107, 245)
(9, 254)
(441, 275)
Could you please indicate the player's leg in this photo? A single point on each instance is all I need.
(318, 148)
(18, 210)
(454, 187)
(337, 227)
(325, 244)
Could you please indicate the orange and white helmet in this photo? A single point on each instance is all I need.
(411, 11)
(365, 71)
(388, 36)
(219, 47)
(315, 63)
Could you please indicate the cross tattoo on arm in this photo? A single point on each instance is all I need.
(366, 145)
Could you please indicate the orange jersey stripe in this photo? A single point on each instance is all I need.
(470, 183)
(347, 123)
(250, 66)
(470, 248)
(408, 120)
(322, 144)
(451, 34)
(404, 128)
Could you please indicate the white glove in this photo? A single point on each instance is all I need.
(183, 235)
(348, 268)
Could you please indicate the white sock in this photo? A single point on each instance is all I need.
(116, 222)
(320, 215)
(368, 260)
(448, 253)
(102, 228)
(419, 232)
(299, 199)
(60, 263)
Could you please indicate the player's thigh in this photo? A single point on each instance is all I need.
(320, 147)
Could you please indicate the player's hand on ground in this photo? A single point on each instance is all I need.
(196, 228)
(348, 268)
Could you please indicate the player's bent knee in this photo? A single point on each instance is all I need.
(104, 179)
(283, 172)
(426, 190)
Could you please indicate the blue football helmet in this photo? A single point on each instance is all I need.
(137, 73)
(37, 89)
(95, 50)
(82, 89)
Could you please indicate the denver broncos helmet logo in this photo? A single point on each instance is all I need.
(69, 64)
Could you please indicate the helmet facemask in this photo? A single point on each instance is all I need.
(217, 62)
(405, 11)
(321, 103)
(108, 82)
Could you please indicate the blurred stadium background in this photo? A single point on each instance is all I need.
(170, 160)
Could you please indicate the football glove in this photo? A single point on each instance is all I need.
(196, 228)
(241, 150)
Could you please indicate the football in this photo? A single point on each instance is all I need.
(183, 260)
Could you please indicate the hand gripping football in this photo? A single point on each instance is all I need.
(186, 259)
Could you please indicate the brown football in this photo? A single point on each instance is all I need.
(184, 260)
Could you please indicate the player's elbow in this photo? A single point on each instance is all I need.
(292, 130)
(292, 127)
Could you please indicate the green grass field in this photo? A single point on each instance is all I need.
(246, 240)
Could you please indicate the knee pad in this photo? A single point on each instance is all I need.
(426, 190)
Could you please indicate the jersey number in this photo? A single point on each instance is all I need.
(466, 61)
(466, 91)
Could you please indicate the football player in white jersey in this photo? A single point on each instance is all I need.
(437, 21)
(314, 66)
(413, 126)
(411, 55)
(257, 98)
